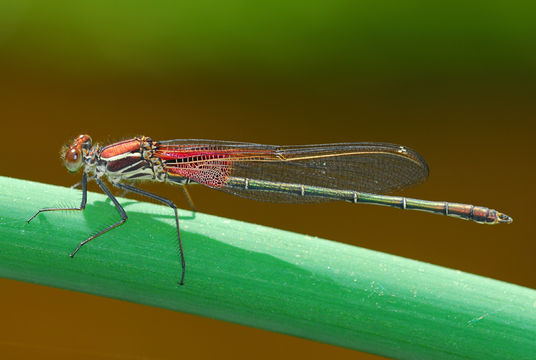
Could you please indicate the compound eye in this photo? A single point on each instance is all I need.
(73, 159)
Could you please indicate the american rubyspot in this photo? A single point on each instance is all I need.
(353, 172)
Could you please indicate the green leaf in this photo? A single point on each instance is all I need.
(263, 277)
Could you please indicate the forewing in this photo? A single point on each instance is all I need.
(363, 167)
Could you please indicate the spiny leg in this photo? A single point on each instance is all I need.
(189, 198)
(119, 209)
(75, 186)
(171, 205)
(82, 204)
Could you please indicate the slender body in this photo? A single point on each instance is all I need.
(353, 172)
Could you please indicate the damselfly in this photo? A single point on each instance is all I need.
(353, 172)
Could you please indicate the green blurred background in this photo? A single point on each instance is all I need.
(454, 81)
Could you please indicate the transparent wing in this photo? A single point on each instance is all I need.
(364, 167)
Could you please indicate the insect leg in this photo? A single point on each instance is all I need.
(189, 198)
(82, 204)
(75, 186)
(171, 205)
(117, 206)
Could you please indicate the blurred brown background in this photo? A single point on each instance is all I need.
(456, 83)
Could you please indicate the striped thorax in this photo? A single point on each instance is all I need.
(126, 160)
